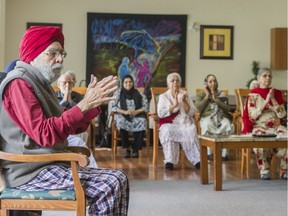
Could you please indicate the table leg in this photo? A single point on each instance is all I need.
(248, 156)
(217, 167)
(203, 164)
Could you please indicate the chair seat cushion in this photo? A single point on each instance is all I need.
(12, 193)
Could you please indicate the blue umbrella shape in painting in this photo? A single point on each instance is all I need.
(140, 40)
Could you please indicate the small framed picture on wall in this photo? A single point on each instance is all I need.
(216, 42)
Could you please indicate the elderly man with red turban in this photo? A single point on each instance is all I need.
(32, 122)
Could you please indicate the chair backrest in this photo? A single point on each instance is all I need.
(155, 92)
(81, 90)
(198, 90)
(55, 88)
(241, 96)
(284, 95)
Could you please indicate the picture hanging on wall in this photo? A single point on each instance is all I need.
(29, 24)
(216, 42)
(148, 47)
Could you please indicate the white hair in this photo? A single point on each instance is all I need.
(169, 77)
(71, 74)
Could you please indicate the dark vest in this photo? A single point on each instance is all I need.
(14, 140)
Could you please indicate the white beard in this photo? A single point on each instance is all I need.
(51, 74)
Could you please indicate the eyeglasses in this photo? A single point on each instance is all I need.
(53, 53)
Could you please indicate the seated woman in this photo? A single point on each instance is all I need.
(264, 110)
(176, 124)
(214, 111)
(130, 106)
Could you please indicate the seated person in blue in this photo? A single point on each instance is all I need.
(129, 106)
(67, 98)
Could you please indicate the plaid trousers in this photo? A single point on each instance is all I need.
(106, 190)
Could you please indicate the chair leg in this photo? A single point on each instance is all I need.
(147, 140)
(182, 157)
(245, 160)
(114, 143)
(243, 156)
(155, 145)
(4, 212)
(248, 157)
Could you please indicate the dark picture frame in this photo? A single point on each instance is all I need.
(29, 24)
(114, 38)
(216, 42)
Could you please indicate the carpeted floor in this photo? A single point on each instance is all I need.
(187, 198)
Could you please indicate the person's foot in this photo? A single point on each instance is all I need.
(127, 153)
(284, 176)
(265, 176)
(135, 154)
(197, 166)
(225, 158)
(169, 166)
(210, 157)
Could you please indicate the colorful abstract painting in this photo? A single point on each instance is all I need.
(148, 47)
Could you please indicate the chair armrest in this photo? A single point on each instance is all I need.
(79, 149)
(197, 116)
(153, 116)
(81, 159)
(235, 114)
(74, 159)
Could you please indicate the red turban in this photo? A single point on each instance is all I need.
(36, 39)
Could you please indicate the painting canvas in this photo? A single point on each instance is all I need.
(148, 47)
(29, 24)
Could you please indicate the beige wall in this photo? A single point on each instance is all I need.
(252, 21)
(2, 32)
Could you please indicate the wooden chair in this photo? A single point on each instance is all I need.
(241, 96)
(155, 92)
(81, 90)
(92, 128)
(73, 200)
(115, 133)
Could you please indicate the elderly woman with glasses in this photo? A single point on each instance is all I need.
(176, 124)
(263, 114)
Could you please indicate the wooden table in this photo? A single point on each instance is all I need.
(230, 142)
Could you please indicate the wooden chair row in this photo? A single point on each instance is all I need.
(240, 94)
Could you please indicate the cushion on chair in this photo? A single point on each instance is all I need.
(12, 193)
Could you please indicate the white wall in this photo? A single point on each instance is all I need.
(252, 21)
